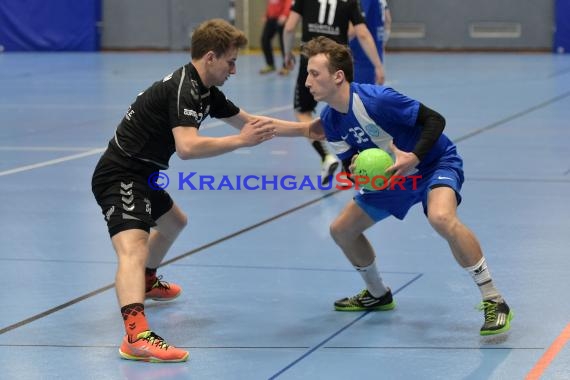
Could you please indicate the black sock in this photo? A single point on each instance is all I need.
(150, 272)
(150, 278)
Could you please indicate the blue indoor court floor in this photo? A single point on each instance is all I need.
(258, 267)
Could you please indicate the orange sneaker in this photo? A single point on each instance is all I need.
(163, 291)
(149, 347)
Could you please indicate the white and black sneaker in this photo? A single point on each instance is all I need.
(498, 317)
(328, 168)
(365, 301)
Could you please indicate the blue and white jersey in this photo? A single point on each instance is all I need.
(374, 13)
(376, 115)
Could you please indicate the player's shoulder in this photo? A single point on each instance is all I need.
(329, 116)
(370, 91)
(326, 112)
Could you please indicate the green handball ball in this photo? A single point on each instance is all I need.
(372, 163)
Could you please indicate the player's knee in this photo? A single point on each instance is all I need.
(443, 222)
(335, 231)
(181, 221)
(173, 222)
(133, 253)
(339, 234)
(175, 225)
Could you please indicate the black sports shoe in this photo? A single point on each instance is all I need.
(365, 301)
(498, 317)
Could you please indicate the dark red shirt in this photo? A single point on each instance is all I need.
(277, 8)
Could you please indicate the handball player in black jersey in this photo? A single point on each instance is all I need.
(142, 219)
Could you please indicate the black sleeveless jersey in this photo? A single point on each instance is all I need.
(328, 18)
(180, 99)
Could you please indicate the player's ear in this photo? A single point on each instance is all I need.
(210, 57)
(339, 77)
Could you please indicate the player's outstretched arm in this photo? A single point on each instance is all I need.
(312, 129)
(190, 144)
(283, 128)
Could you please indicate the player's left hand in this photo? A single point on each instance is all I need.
(256, 131)
(379, 75)
(405, 162)
(290, 61)
(352, 165)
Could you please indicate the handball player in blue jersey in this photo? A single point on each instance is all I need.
(361, 116)
(378, 21)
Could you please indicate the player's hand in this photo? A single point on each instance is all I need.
(290, 61)
(405, 162)
(257, 131)
(379, 75)
(352, 165)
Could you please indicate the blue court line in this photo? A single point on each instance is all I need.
(314, 348)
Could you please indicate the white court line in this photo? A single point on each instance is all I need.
(100, 150)
(62, 106)
(44, 149)
(51, 162)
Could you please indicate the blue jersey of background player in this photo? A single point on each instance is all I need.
(379, 116)
(378, 19)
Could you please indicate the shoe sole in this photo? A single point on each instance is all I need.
(386, 307)
(152, 359)
(504, 329)
(164, 299)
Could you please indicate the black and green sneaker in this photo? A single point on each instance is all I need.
(498, 317)
(365, 301)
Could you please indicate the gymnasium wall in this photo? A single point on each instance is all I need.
(456, 24)
(166, 24)
(156, 24)
(468, 24)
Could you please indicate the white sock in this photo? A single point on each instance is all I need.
(372, 278)
(482, 277)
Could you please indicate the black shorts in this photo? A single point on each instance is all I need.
(126, 199)
(304, 101)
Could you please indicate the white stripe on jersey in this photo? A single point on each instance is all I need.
(383, 139)
(180, 90)
(339, 147)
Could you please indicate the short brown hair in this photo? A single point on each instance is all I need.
(338, 55)
(216, 35)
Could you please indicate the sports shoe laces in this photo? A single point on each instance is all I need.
(356, 298)
(154, 339)
(490, 309)
(160, 284)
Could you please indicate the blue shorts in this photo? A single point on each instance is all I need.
(397, 200)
